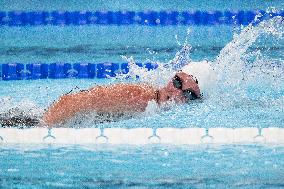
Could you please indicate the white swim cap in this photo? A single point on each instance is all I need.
(202, 71)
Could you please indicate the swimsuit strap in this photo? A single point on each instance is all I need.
(157, 92)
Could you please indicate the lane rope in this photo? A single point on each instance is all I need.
(150, 18)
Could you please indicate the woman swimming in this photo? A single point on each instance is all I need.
(121, 99)
(105, 103)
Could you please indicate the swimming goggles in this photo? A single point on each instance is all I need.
(189, 94)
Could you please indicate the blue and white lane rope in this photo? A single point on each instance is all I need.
(150, 18)
(19, 71)
(142, 136)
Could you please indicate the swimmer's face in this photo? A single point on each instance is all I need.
(183, 88)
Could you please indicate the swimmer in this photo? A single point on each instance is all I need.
(110, 103)
(121, 99)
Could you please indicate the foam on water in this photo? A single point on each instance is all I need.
(25, 106)
(249, 77)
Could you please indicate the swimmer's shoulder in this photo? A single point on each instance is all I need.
(137, 88)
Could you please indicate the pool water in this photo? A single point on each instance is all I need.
(245, 90)
(138, 5)
(156, 166)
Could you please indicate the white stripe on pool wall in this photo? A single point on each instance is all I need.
(140, 136)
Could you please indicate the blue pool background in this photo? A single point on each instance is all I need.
(247, 166)
(95, 43)
(150, 166)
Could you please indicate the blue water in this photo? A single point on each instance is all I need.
(249, 93)
(107, 43)
(138, 5)
(245, 166)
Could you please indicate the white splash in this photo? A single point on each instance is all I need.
(230, 64)
(162, 75)
(157, 77)
(25, 105)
